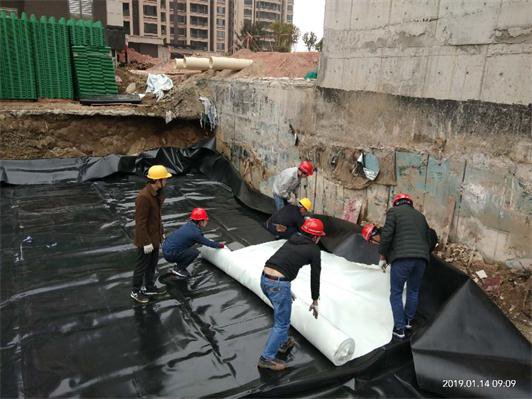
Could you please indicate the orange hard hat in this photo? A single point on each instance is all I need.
(368, 231)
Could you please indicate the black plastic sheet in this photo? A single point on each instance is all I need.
(69, 328)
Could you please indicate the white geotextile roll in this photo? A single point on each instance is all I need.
(246, 266)
(355, 313)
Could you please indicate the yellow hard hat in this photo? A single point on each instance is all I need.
(157, 172)
(306, 203)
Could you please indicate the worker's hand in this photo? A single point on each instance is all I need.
(148, 249)
(293, 296)
(221, 245)
(314, 308)
(280, 228)
(383, 265)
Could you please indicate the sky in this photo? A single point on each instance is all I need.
(308, 16)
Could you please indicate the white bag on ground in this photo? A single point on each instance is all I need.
(158, 84)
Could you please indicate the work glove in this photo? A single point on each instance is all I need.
(221, 245)
(383, 265)
(314, 308)
(293, 296)
(148, 249)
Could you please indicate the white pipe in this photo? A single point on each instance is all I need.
(180, 63)
(235, 64)
(197, 63)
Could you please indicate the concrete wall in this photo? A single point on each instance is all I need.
(442, 49)
(467, 164)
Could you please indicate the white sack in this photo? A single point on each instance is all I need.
(355, 315)
(158, 84)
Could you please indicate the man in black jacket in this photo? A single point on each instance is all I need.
(404, 243)
(286, 221)
(300, 249)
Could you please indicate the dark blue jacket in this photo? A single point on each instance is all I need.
(185, 237)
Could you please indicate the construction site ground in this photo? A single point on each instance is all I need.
(58, 128)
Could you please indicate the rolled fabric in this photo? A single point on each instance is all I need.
(245, 266)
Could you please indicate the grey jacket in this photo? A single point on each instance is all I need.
(405, 234)
(286, 183)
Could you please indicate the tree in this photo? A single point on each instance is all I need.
(318, 46)
(251, 36)
(284, 35)
(310, 40)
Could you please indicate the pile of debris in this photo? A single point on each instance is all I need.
(508, 287)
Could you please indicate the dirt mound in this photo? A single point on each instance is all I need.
(277, 65)
(137, 60)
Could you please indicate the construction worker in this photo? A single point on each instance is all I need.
(300, 249)
(287, 182)
(179, 248)
(148, 234)
(287, 220)
(404, 242)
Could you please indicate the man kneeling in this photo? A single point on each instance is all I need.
(179, 247)
(286, 221)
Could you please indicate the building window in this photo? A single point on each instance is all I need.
(220, 34)
(220, 46)
(290, 8)
(289, 18)
(199, 45)
(163, 29)
(220, 22)
(163, 16)
(181, 7)
(181, 19)
(126, 27)
(181, 43)
(199, 33)
(181, 31)
(199, 21)
(163, 3)
(150, 11)
(125, 9)
(172, 30)
(220, 10)
(150, 29)
(247, 12)
(199, 8)
(270, 16)
(247, 21)
(248, 2)
(268, 6)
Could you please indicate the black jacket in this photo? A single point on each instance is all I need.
(297, 252)
(405, 234)
(289, 216)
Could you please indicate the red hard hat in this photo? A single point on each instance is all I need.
(199, 214)
(306, 167)
(367, 231)
(401, 196)
(313, 226)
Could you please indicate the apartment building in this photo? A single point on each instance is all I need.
(265, 11)
(187, 25)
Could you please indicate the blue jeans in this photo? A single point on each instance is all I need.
(409, 271)
(280, 202)
(279, 294)
(183, 258)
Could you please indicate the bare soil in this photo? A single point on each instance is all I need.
(508, 287)
(60, 136)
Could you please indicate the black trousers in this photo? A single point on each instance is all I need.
(145, 268)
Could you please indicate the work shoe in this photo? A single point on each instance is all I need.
(409, 325)
(289, 344)
(275, 364)
(181, 273)
(398, 333)
(139, 297)
(154, 291)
